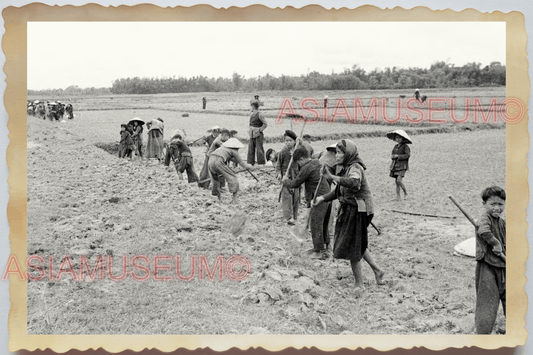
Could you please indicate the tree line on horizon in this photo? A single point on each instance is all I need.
(439, 75)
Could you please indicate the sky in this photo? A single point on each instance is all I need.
(94, 54)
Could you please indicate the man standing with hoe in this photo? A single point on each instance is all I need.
(257, 126)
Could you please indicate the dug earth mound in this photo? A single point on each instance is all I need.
(83, 201)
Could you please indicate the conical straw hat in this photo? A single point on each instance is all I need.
(233, 143)
(177, 132)
(332, 148)
(401, 133)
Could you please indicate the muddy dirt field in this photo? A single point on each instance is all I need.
(84, 201)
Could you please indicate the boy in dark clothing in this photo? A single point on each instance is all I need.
(490, 256)
(309, 174)
(182, 157)
(290, 198)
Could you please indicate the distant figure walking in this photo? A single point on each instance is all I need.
(70, 111)
(204, 102)
(326, 101)
(417, 95)
(256, 99)
(257, 126)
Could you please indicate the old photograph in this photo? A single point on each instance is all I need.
(268, 178)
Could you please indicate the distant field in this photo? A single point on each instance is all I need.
(238, 103)
(101, 116)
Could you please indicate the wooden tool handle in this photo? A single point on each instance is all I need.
(467, 215)
(314, 200)
(255, 177)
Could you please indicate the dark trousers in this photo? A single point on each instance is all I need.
(218, 169)
(319, 224)
(186, 164)
(255, 148)
(490, 290)
(290, 202)
(204, 174)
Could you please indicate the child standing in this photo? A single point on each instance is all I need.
(290, 198)
(126, 142)
(182, 157)
(490, 257)
(400, 159)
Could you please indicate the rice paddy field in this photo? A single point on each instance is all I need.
(85, 201)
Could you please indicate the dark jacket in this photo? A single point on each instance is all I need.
(309, 174)
(284, 157)
(402, 162)
(176, 150)
(489, 227)
(353, 189)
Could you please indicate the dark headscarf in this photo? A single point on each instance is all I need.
(351, 155)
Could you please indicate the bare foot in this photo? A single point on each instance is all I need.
(379, 278)
(358, 292)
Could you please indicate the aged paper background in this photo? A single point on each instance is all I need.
(516, 134)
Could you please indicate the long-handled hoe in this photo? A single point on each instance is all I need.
(469, 217)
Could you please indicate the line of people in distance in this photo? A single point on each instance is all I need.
(53, 110)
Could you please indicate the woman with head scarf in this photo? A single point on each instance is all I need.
(355, 211)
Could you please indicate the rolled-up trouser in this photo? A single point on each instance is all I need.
(218, 168)
(490, 290)
(290, 201)
(319, 224)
